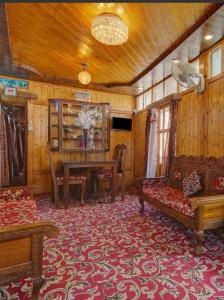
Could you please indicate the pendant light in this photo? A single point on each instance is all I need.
(84, 77)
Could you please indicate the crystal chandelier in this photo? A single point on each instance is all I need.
(109, 29)
(84, 77)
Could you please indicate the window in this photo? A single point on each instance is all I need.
(163, 131)
(139, 102)
(215, 62)
(170, 86)
(144, 100)
(158, 92)
(147, 98)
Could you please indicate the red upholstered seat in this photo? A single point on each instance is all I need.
(16, 212)
(171, 197)
(16, 193)
(108, 174)
(71, 177)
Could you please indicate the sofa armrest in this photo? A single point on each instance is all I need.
(16, 193)
(21, 231)
(202, 200)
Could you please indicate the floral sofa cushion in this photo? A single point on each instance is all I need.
(171, 197)
(177, 175)
(16, 193)
(219, 184)
(15, 212)
(191, 184)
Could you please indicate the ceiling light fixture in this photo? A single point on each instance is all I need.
(109, 29)
(84, 77)
(208, 37)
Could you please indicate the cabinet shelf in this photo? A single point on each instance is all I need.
(70, 114)
(68, 138)
(71, 126)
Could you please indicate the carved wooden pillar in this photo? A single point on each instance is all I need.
(37, 249)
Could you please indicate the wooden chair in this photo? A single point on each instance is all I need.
(58, 180)
(104, 176)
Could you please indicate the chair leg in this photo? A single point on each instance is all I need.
(83, 189)
(56, 196)
(99, 190)
(123, 189)
(52, 195)
(141, 201)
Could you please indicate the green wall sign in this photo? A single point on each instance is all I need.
(20, 84)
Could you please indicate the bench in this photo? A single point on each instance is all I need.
(201, 211)
(21, 237)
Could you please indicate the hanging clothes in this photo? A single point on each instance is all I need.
(20, 146)
(12, 145)
(4, 166)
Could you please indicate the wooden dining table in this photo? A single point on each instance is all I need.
(68, 165)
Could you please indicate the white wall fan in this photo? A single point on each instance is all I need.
(186, 75)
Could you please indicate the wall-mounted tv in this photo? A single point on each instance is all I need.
(121, 123)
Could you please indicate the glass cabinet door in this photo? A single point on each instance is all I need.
(106, 127)
(95, 133)
(54, 125)
(72, 134)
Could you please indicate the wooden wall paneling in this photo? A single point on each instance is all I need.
(139, 143)
(203, 67)
(190, 133)
(215, 118)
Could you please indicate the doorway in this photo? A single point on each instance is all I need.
(13, 144)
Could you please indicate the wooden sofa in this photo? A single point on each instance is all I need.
(204, 210)
(21, 237)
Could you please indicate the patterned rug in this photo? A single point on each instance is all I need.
(108, 251)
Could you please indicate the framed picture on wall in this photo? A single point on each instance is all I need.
(82, 96)
(10, 91)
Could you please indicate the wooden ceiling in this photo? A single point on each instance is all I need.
(53, 39)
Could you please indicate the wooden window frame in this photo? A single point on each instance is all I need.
(210, 61)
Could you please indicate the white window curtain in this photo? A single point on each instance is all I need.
(152, 144)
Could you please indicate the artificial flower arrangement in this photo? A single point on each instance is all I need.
(87, 119)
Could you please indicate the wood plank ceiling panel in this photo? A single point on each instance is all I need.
(55, 38)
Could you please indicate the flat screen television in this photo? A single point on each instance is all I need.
(121, 123)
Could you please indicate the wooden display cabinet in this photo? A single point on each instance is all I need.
(65, 134)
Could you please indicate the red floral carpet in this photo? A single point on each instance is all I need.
(110, 252)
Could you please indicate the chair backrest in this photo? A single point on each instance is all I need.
(120, 152)
(53, 176)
